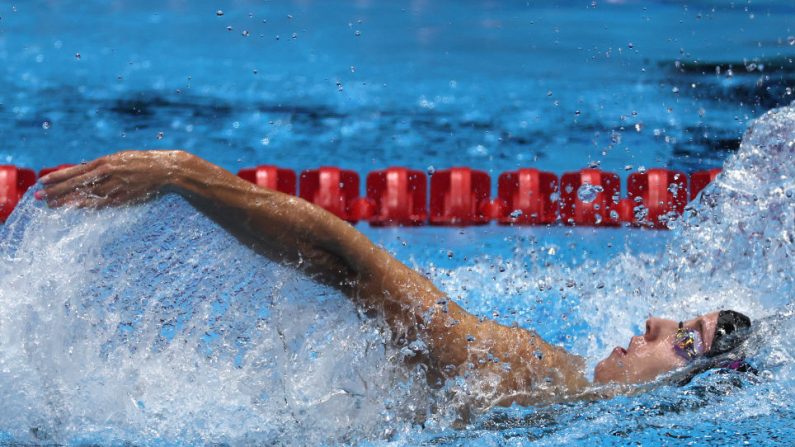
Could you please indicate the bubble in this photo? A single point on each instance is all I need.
(219, 13)
(791, 40)
(245, 33)
(160, 135)
(640, 212)
(430, 170)
(587, 192)
(45, 125)
(515, 214)
(77, 56)
(597, 220)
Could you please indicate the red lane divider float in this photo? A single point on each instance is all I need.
(460, 196)
(699, 180)
(14, 182)
(271, 177)
(658, 195)
(336, 190)
(398, 196)
(530, 197)
(590, 197)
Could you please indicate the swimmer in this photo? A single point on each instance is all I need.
(517, 365)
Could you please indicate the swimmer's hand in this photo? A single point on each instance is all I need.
(118, 179)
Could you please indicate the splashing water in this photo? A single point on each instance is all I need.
(588, 192)
(151, 324)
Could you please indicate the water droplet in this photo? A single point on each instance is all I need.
(638, 127)
(640, 213)
(236, 124)
(630, 45)
(265, 141)
(77, 56)
(245, 33)
(229, 28)
(45, 125)
(673, 188)
(642, 169)
(160, 135)
(791, 40)
(587, 192)
(219, 13)
(569, 188)
(675, 89)
(449, 255)
(430, 170)
(357, 33)
(613, 215)
(597, 219)
(515, 214)
(294, 35)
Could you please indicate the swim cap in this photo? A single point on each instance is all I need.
(732, 329)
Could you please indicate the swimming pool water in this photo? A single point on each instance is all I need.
(149, 325)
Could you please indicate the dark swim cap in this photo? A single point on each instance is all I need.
(732, 329)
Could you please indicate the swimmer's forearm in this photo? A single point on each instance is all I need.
(284, 222)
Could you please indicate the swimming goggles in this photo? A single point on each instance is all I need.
(688, 343)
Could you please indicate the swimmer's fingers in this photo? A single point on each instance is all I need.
(85, 183)
(67, 173)
(112, 192)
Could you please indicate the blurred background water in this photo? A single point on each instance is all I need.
(130, 325)
(363, 84)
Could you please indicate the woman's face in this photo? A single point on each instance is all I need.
(652, 353)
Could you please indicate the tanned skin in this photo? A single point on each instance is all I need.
(293, 231)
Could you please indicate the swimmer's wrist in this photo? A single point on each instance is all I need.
(179, 166)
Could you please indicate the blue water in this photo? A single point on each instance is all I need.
(365, 84)
(151, 326)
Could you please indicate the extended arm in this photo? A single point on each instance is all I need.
(292, 230)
